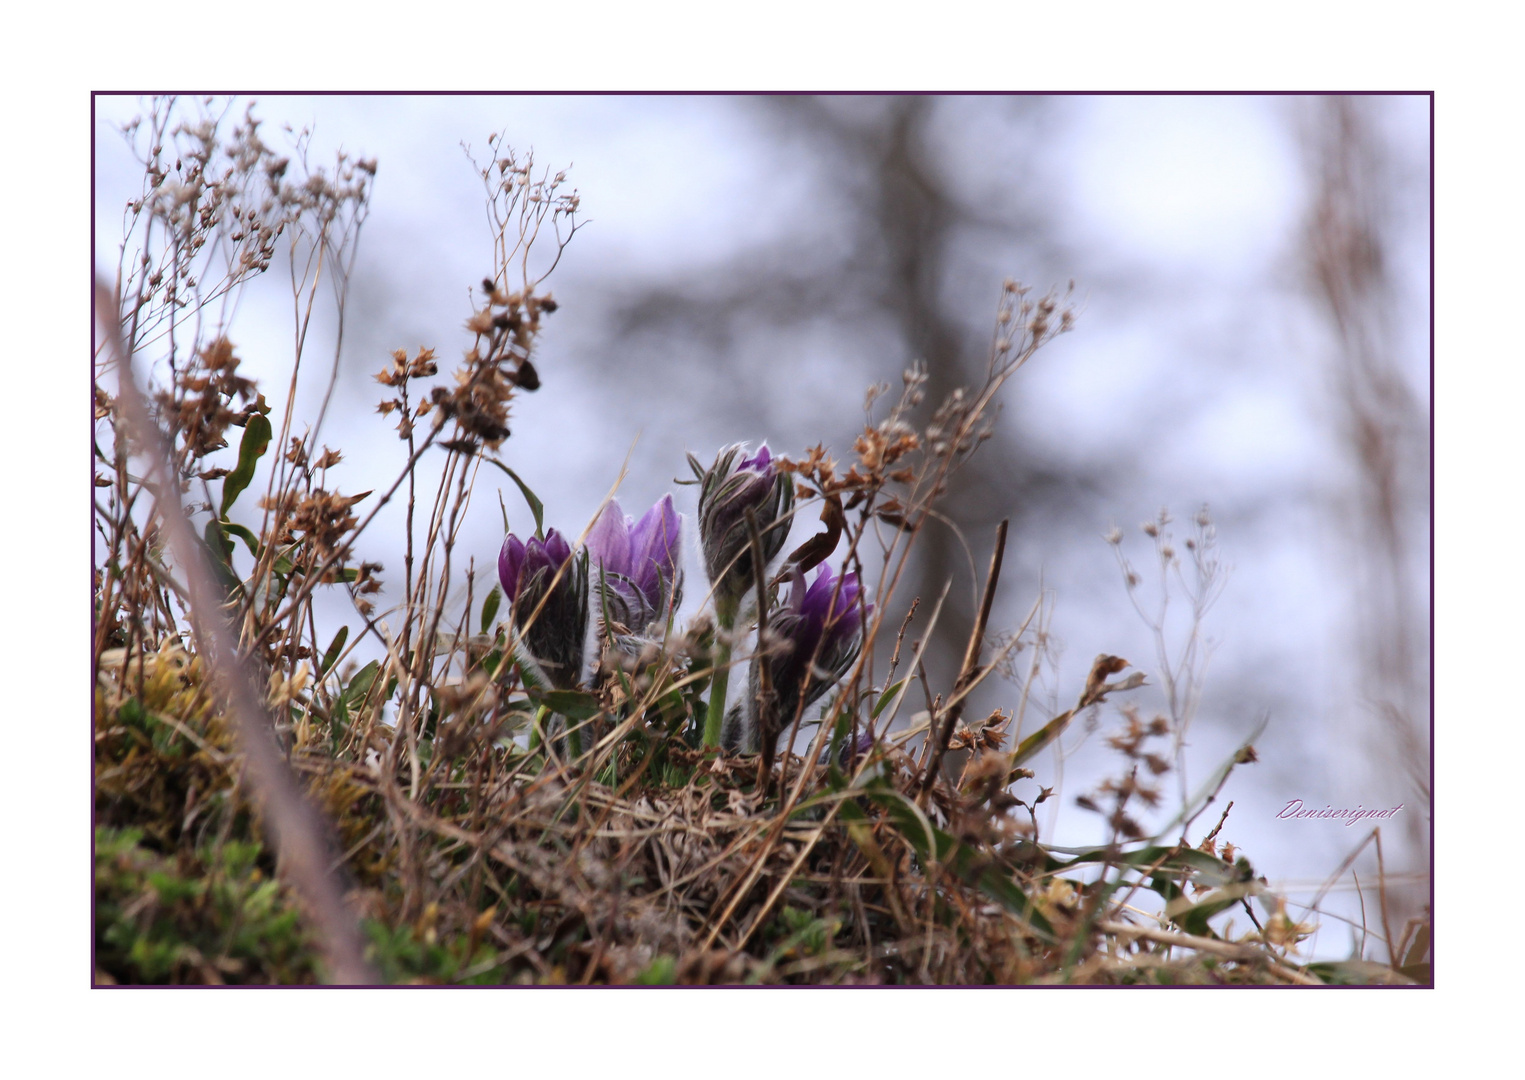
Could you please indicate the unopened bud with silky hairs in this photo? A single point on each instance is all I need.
(729, 488)
(535, 570)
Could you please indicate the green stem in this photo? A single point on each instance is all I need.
(725, 619)
(537, 733)
(718, 685)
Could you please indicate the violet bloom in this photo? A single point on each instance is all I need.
(555, 636)
(729, 488)
(636, 564)
(813, 640)
(850, 751)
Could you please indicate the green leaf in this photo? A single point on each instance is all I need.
(497, 659)
(888, 696)
(331, 655)
(529, 496)
(251, 448)
(360, 685)
(250, 540)
(1209, 869)
(573, 704)
(930, 843)
(217, 540)
(353, 695)
(1035, 742)
(529, 678)
(220, 548)
(1194, 917)
(1166, 865)
(490, 607)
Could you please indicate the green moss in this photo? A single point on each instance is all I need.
(208, 915)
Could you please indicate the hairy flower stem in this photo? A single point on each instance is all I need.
(725, 618)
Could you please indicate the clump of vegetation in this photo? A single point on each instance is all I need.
(560, 780)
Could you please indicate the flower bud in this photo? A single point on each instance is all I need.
(546, 575)
(732, 486)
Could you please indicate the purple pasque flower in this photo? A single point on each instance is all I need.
(735, 484)
(823, 625)
(547, 588)
(811, 642)
(851, 750)
(636, 563)
(519, 562)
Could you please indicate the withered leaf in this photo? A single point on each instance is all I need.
(819, 547)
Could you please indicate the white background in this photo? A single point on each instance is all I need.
(1184, 46)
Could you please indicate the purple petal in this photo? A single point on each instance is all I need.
(556, 549)
(610, 541)
(847, 596)
(669, 540)
(655, 548)
(761, 462)
(798, 592)
(815, 603)
(830, 604)
(643, 535)
(510, 561)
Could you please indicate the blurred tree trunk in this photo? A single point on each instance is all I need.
(911, 216)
